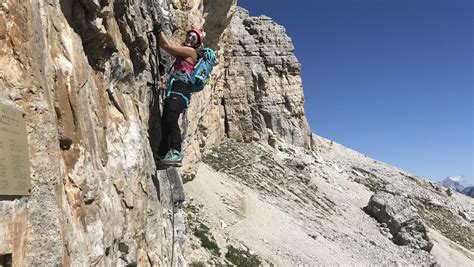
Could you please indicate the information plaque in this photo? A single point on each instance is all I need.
(14, 161)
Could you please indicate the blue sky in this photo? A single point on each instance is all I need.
(392, 79)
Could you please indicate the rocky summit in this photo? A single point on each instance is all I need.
(259, 187)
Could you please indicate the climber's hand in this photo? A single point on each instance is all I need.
(157, 27)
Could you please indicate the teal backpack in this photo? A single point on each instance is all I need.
(199, 77)
(202, 70)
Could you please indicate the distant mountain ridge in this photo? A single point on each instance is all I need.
(468, 191)
(456, 183)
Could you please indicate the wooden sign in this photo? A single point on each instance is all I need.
(14, 161)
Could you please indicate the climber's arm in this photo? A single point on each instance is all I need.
(176, 50)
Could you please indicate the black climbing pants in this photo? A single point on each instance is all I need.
(170, 132)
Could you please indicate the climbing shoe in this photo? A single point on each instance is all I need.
(158, 159)
(173, 158)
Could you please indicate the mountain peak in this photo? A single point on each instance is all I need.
(454, 182)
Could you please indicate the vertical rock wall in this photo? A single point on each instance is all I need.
(78, 69)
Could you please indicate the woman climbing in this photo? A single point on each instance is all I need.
(179, 92)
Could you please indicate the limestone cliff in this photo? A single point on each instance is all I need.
(263, 94)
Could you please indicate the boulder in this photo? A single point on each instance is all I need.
(401, 218)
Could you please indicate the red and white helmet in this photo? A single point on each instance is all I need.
(201, 35)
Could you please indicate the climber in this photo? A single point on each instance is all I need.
(179, 92)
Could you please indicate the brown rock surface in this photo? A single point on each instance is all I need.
(78, 69)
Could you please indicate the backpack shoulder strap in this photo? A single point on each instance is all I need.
(200, 52)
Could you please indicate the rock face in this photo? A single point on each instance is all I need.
(263, 96)
(401, 217)
(79, 71)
